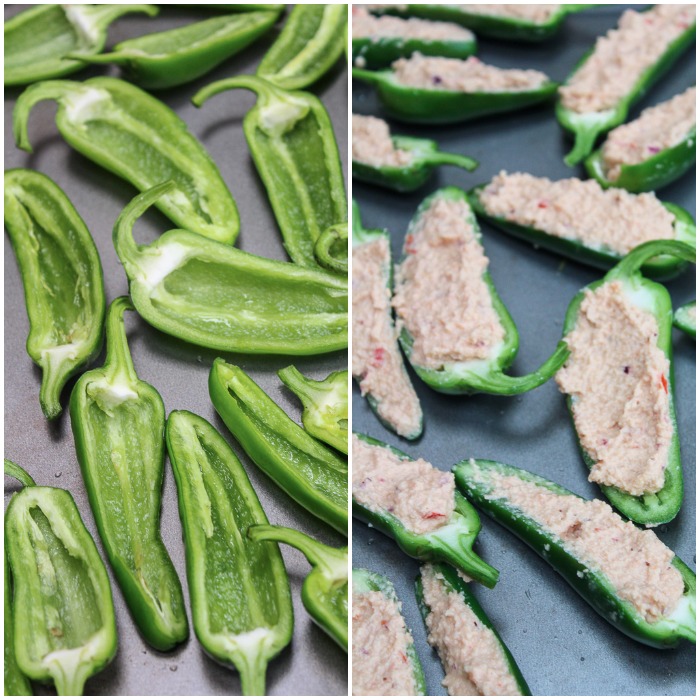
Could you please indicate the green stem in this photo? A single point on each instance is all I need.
(104, 15)
(252, 668)
(119, 360)
(16, 472)
(368, 76)
(634, 260)
(442, 158)
(53, 378)
(264, 90)
(584, 142)
(101, 58)
(331, 237)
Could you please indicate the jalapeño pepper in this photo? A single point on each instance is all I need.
(684, 318)
(649, 297)
(325, 590)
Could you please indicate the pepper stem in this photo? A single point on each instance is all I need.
(252, 668)
(262, 88)
(119, 360)
(100, 58)
(332, 238)
(53, 378)
(368, 76)
(460, 161)
(16, 472)
(101, 16)
(584, 142)
(633, 261)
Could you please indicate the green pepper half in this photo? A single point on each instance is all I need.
(481, 376)
(653, 298)
(451, 543)
(325, 590)
(684, 318)
(593, 586)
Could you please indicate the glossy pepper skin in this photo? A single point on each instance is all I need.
(219, 297)
(653, 298)
(364, 581)
(586, 127)
(309, 472)
(178, 56)
(138, 138)
(64, 626)
(425, 157)
(241, 603)
(291, 139)
(451, 543)
(663, 267)
(331, 249)
(118, 423)
(38, 40)
(424, 106)
(454, 584)
(480, 376)
(684, 318)
(593, 586)
(62, 279)
(325, 402)
(325, 590)
(312, 40)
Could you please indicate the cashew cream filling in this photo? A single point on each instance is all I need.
(372, 144)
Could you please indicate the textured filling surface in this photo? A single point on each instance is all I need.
(367, 26)
(531, 13)
(372, 144)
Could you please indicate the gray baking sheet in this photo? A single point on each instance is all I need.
(312, 664)
(560, 644)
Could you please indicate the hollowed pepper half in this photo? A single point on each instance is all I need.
(62, 279)
(291, 139)
(118, 423)
(64, 626)
(219, 297)
(241, 603)
(138, 138)
(325, 590)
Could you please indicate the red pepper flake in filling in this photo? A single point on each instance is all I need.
(664, 383)
(378, 357)
(542, 205)
(409, 247)
(432, 515)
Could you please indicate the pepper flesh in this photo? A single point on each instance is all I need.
(312, 40)
(118, 423)
(451, 543)
(62, 279)
(481, 376)
(241, 603)
(140, 139)
(325, 590)
(291, 139)
(313, 475)
(684, 318)
(178, 56)
(593, 586)
(219, 297)
(38, 40)
(325, 402)
(662, 506)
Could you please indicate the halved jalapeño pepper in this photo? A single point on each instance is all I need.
(118, 423)
(64, 626)
(62, 279)
(520, 501)
(241, 603)
(308, 471)
(219, 297)
(481, 374)
(140, 139)
(451, 542)
(325, 590)
(647, 299)
(684, 318)
(178, 56)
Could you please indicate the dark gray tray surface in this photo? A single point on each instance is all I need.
(560, 644)
(312, 664)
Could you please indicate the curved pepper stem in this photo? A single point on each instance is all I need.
(102, 58)
(119, 359)
(460, 161)
(635, 259)
(101, 16)
(327, 245)
(16, 472)
(373, 77)
(262, 88)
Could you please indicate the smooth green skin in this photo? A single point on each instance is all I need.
(325, 590)
(241, 602)
(454, 584)
(451, 543)
(291, 139)
(140, 139)
(593, 586)
(331, 249)
(312, 40)
(219, 297)
(654, 173)
(425, 106)
(62, 279)
(64, 625)
(364, 581)
(178, 56)
(684, 318)
(480, 376)
(309, 472)
(325, 403)
(662, 506)
(661, 268)
(375, 53)
(360, 236)
(118, 423)
(586, 127)
(425, 157)
(38, 40)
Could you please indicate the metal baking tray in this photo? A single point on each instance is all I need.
(312, 664)
(560, 644)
